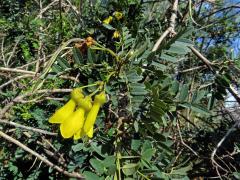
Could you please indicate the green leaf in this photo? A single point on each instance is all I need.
(183, 93)
(78, 147)
(97, 165)
(196, 108)
(175, 87)
(211, 101)
(90, 176)
(168, 58)
(63, 63)
(77, 56)
(147, 154)
(158, 66)
(90, 55)
(197, 96)
(109, 161)
(182, 171)
(130, 169)
(199, 109)
(56, 68)
(108, 26)
(133, 77)
(135, 144)
(236, 175)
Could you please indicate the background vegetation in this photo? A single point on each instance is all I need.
(171, 78)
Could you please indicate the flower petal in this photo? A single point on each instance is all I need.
(78, 134)
(61, 114)
(91, 117)
(90, 132)
(72, 124)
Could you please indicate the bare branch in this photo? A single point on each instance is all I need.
(170, 29)
(187, 146)
(27, 127)
(43, 159)
(233, 92)
(21, 97)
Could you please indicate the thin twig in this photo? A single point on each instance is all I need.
(16, 70)
(232, 91)
(27, 127)
(46, 8)
(15, 79)
(162, 37)
(12, 53)
(180, 135)
(200, 56)
(43, 159)
(21, 97)
(192, 69)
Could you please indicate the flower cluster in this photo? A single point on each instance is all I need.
(109, 19)
(78, 115)
(116, 14)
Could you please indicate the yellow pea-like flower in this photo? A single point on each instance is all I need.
(116, 34)
(108, 20)
(73, 123)
(72, 126)
(118, 15)
(99, 100)
(77, 94)
(85, 103)
(61, 114)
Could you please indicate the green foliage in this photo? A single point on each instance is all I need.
(165, 113)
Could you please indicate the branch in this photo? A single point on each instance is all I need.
(46, 8)
(21, 97)
(27, 127)
(170, 29)
(17, 70)
(15, 79)
(223, 9)
(30, 74)
(192, 69)
(43, 159)
(200, 56)
(220, 143)
(187, 146)
(231, 90)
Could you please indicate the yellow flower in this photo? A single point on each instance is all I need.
(108, 20)
(77, 94)
(99, 100)
(116, 34)
(118, 15)
(72, 126)
(61, 114)
(73, 123)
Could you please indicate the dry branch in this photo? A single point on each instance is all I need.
(20, 98)
(170, 29)
(232, 91)
(27, 127)
(43, 159)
